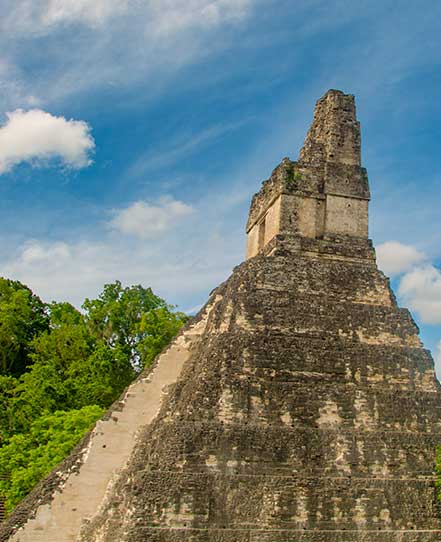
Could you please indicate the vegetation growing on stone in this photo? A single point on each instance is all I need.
(292, 175)
(61, 368)
(295, 177)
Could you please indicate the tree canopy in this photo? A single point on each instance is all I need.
(29, 456)
(23, 316)
(133, 319)
(61, 368)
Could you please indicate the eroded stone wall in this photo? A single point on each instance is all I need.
(326, 191)
(310, 411)
(334, 135)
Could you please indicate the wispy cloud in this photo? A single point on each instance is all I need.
(37, 136)
(39, 17)
(166, 18)
(145, 219)
(173, 16)
(148, 38)
(92, 12)
(183, 145)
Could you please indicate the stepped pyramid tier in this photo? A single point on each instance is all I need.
(298, 406)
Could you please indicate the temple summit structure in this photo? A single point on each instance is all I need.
(299, 405)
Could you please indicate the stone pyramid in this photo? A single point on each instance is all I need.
(298, 406)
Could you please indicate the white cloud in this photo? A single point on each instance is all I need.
(420, 289)
(420, 282)
(87, 11)
(395, 258)
(84, 266)
(34, 253)
(143, 219)
(438, 358)
(37, 136)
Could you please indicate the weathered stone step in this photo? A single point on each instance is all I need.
(279, 535)
(281, 353)
(342, 279)
(237, 501)
(250, 448)
(332, 405)
(257, 311)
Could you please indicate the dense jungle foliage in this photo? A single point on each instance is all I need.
(60, 369)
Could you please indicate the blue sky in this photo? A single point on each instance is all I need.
(134, 133)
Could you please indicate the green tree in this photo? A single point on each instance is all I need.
(115, 315)
(46, 387)
(27, 457)
(8, 385)
(64, 314)
(120, 316)
(156, 329)
(101, 378)
(23, 316)
(71, 369)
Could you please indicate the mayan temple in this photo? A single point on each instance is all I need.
(298, 406)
